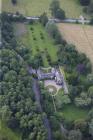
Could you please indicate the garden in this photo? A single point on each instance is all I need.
(73, 113)
(39, 42)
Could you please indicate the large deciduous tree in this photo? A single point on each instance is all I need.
(56, 11)
(14, 1)
(83, 100)
(84, 2)
(43, 19)
(75, 135)
(91, 127)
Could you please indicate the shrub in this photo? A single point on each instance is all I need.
(37, 49)
(34, 38)
(31, 28)
(42, 37)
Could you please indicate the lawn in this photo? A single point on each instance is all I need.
(36, 7)
(71, 113)
(8, 133)
(37, 39)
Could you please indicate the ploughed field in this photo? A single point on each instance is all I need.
(37, 7)
(79, 35)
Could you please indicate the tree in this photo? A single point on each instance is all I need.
(10, 76)
(17, 103)
(32, 136)
(84, 100)
(43, 19)
(56, 11)
(53, 31)
(89, 79)
(14, 1)
(84, 2)
(90, 92)
(57, 135)
(54, 6)
(91, 127)
(75, 135)
(90, 115)
(60, 14)
(81, 68)
(73, 79)
(91, 22)
(3, 137)
(5, 113)
(63, 101)
(90, 8)
(81, 124)
(51, 28)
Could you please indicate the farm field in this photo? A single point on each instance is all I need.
(36, 38)
(8, 133)
(37, 7)
(79, 35)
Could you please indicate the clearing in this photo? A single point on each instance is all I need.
(37, 7)
(79, 35)
(36, 38)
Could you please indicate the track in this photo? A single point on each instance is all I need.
(37, 98)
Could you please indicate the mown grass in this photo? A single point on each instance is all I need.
(37, 7)
(72, 113)
(45, 46)
(8, 133)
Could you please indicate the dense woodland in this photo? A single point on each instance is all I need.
(17, 104)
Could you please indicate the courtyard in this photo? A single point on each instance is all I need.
(52, 87)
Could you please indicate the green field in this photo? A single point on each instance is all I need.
(32, 39)
(71, 112)
(37, 7)
(8, 133)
